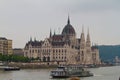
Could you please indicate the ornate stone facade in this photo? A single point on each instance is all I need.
(64, 48)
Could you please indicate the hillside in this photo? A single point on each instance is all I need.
(108, 52)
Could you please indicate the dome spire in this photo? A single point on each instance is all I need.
(68, 29)
(68, 19)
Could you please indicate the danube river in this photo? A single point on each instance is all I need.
(102, 73)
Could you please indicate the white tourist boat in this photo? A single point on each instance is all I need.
(70, 71)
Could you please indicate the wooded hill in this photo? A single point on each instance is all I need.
(108, 52)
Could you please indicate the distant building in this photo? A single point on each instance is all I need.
(5, 46)
(18, 51)
(64, 48)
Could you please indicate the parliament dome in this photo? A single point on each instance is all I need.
(68, 29)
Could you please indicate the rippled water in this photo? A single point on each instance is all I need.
(103, 73)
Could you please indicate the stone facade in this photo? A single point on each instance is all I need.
(64, 48)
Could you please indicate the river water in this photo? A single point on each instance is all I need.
(102, 73)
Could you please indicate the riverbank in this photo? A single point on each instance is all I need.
(45, 65)
(32, 65)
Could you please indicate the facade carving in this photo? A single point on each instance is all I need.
(64, 48)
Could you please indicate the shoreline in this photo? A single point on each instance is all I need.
(32, 65)
(43, 65)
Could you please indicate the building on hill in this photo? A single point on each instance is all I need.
(64, 48)
(5, 46)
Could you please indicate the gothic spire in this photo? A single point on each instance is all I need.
(88, 30)
(82, 34)
(82, 42)
(54, 32)
(82, 28)
(50, 33)
(35, 39)
(88, 35)
(30, 38)
(68, 20)
(88, 42)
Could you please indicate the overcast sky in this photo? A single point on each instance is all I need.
(22, 19)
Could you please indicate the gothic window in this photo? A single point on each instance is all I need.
(59, 50)
(48, 59)
(44, 59)
(32, 51)
(72, 46)
(62, 50)
(53, 51)
(65, 57)
(82, 52)
(36, 51)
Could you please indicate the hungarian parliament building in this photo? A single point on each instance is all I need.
(64, 48)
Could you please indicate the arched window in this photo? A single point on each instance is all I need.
(44, 59)
(53, 51)
(48, 59)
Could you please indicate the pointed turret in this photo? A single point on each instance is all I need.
(88, 42)
(82, 35)
(54, 32)
(82, 41)
(35, 39)
(83, 47)
(50, 34)
(88, 49)
(82, 28)
(88, 35)
(30, 39)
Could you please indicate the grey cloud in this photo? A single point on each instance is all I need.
(89, 5)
